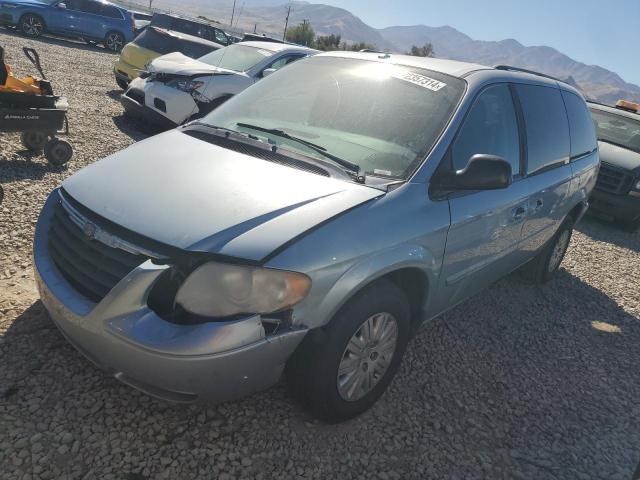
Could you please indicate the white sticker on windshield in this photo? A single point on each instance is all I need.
(420, 80)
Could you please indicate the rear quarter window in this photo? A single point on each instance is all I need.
(546, 126)
(581, 126)
(157, 42)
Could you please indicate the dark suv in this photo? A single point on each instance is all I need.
(617, 193)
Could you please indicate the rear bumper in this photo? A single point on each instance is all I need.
(181, 363)
(618, 207)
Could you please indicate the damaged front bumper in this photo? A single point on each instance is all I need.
(182, 363)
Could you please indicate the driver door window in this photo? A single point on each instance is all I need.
(491, 127)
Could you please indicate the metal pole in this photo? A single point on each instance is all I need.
(286, 23)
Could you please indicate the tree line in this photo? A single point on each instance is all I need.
(303, 34)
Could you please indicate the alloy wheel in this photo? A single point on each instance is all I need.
(367, 356)
(32, 26)
(114, 42)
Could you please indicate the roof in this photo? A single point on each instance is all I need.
(450, 67)
(613, 110)
(276, 47)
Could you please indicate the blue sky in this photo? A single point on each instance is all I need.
(602, 32)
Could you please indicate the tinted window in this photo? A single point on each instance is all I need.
(111, 12)
(78, 5)
(220, 37)
(194, 50)
(581, 127)
(491, 127)
(157, 41)
(89, 6)
(546, 125)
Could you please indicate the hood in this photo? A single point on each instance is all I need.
(179, 64)
(618, 156)
(193, 195)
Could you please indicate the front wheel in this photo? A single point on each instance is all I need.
(114, 41)
(32, 25)
(542, 268)
(341, 370)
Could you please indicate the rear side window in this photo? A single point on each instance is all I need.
(111, 12)
(153, 40)
(546, 125)
(220, 37)
(491, 127)
(581, 127)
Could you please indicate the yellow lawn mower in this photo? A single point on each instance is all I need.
(28, 105)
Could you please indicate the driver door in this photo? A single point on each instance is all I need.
(483, 242)
(60, 17)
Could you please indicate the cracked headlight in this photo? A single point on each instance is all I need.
(222, 290)
(186, 85)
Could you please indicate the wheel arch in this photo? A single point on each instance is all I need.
(410, 267)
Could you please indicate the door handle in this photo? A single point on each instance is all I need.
(519, 212)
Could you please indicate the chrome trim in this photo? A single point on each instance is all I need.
(94, 232)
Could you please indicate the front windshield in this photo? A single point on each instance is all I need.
(239, 58)
(617, 129)
(382, 117)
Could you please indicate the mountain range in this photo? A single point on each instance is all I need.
(268, 16)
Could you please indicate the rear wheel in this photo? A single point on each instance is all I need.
(32, 25)
(34, 141)
(542, 268)
(341, 370)
(114, 41)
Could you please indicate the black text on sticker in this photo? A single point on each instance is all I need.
(420, 80)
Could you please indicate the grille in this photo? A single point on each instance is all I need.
(614, 180)
(258, 152)
(91, 267)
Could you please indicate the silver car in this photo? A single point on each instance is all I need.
(312, 223)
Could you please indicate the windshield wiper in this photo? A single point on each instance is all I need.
(352, 167)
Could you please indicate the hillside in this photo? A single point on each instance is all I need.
(268, 16)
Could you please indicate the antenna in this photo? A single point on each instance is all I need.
(286, 23)
(239, 14)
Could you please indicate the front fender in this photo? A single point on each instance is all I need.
(364, 272)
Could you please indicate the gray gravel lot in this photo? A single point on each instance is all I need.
(519, 382)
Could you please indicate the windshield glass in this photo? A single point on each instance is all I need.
(617, 129)
(239, 58)
(383, 118)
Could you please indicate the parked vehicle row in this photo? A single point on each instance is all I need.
(311, 223)
(175, 88)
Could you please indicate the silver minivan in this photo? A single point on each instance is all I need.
(311, 223)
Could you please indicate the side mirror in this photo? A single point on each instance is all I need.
(268, 71)
(62, 5)
(483, 172)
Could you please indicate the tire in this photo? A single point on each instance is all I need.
(113, 41)
(122, 84)
(58, 152)
(313, 371)
(34, 141)
(32, 25)
(544, 266)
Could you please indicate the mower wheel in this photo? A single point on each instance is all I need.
(34, 141)
(58, 152)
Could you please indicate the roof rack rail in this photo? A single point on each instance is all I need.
(524, 70)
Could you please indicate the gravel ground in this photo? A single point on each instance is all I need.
(519, 382)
